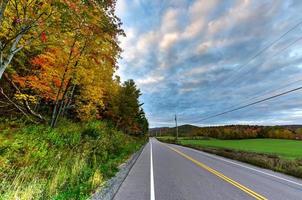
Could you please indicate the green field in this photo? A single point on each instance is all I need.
(290, 149)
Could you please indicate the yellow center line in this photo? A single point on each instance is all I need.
(220, 175)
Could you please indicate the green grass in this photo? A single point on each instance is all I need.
(68, 162)
(290, 149)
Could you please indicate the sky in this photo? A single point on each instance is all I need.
(197, 58)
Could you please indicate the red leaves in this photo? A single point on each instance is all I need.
(38, 62)
(56, 81)
(72, 5)
(43, 37)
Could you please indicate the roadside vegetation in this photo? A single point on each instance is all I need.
(66, 120)
(273, 147)
(276, 154)
(68, 162)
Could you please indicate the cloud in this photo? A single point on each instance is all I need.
(197, 14)
(121, 8)
(170, 20)
(168, 40)
(150, 80)
(185, 56)
(146, 41)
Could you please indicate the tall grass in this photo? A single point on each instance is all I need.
(68, 162)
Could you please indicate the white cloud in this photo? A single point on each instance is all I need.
(126, 42)
(168, 40)
(240, 12)
(194, 28)
(203, 47)
(170, 20)
(136, 47)
(121, 8)
(199, 70)
(198, 13)
(151, 83)
(150, 80)
(146, 41)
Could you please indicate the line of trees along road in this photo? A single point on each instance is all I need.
(58, 59)
(234, 131)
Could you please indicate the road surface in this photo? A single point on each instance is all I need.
(171, 172)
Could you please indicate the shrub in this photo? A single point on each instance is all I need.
(68, 162)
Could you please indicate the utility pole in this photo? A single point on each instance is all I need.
(160, 132)
(176, 127)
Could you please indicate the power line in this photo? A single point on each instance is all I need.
(250, 104)
(268, 92)
(251, 59)
(282, 50)
(263, 50)
(261, 94)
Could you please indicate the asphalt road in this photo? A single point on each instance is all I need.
(171, 172)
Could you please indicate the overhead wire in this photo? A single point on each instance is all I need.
(262, 51)
(251, 59)
(250, 104)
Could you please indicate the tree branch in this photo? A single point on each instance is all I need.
(16, 106)
(25, 102)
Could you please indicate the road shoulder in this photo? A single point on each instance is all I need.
(111, 187)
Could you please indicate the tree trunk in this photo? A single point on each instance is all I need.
(55, 110)
(69, 100)
(13, 50)
(2, 69)
(62, 103)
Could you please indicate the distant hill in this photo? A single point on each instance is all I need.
(186, 129)
(232, 131)
(291, 127)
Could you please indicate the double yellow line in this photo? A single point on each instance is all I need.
(220, 175)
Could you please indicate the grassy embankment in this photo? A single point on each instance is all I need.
(68, 162)
(280, 155)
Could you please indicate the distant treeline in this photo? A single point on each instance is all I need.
(233, 132)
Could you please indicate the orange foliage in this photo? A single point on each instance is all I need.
(47, 79)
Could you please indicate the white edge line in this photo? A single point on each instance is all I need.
(152, 196)
(250, 168)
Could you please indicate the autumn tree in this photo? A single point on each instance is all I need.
(67, 63)
(80, 57)
(125, 109)
(21, 22)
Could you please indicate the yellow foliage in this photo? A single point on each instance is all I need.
(27, 97)
(97, 179)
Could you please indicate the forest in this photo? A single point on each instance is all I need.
(67, 121)
(59, 58)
